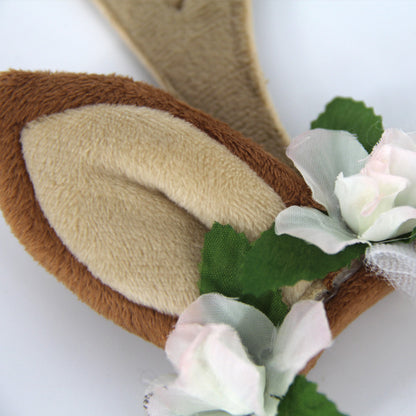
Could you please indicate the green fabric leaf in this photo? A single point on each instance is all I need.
(412, 236)
(222, 257)
(303, 399)
(270, 303)
(255, 273)
(405, 238)
(354, 117)
(275, 261)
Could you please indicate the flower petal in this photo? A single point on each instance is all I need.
(303, 334)
(392, 160)
(320, 155)
(179, 341)
(217, 369)
(364, 198)
(162, 399)
(255, 329)
(311, 225)
(396, 263)
(398, 138)
(402, 163)
(390, 224)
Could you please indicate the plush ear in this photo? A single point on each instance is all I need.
(203, 52)
(111, 185)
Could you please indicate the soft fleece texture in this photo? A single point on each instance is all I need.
(131, 191)
(203, 52)
(25, 96)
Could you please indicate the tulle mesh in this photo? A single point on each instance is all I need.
(396, 263)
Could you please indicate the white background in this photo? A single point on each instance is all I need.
(57, 356)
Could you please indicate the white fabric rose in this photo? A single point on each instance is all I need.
(369, 198)
(231, 358)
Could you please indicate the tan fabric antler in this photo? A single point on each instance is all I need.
(203, 52)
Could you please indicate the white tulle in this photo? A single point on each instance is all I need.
(396, 263)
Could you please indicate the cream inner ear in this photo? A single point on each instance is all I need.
(131, 192)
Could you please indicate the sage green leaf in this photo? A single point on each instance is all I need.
(354, 117)
(405, 238)
(303, 399)
(270, 303)
(412, 236)
(222, 256)
(255, 273)
(275, 261)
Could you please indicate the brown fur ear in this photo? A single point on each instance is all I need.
(353, 297)
(25, 97)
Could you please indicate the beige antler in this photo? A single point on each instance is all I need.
(203, 52)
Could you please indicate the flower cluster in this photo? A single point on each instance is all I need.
(231, 358)
(368, 198)
(228, 356)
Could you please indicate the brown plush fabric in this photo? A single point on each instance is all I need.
(203, 52)
(354, 297)
(25, 96)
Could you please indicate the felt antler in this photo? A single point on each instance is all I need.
(203, 52)
(111, 184)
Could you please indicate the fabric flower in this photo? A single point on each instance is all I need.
(369, 198)
(230, 358)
